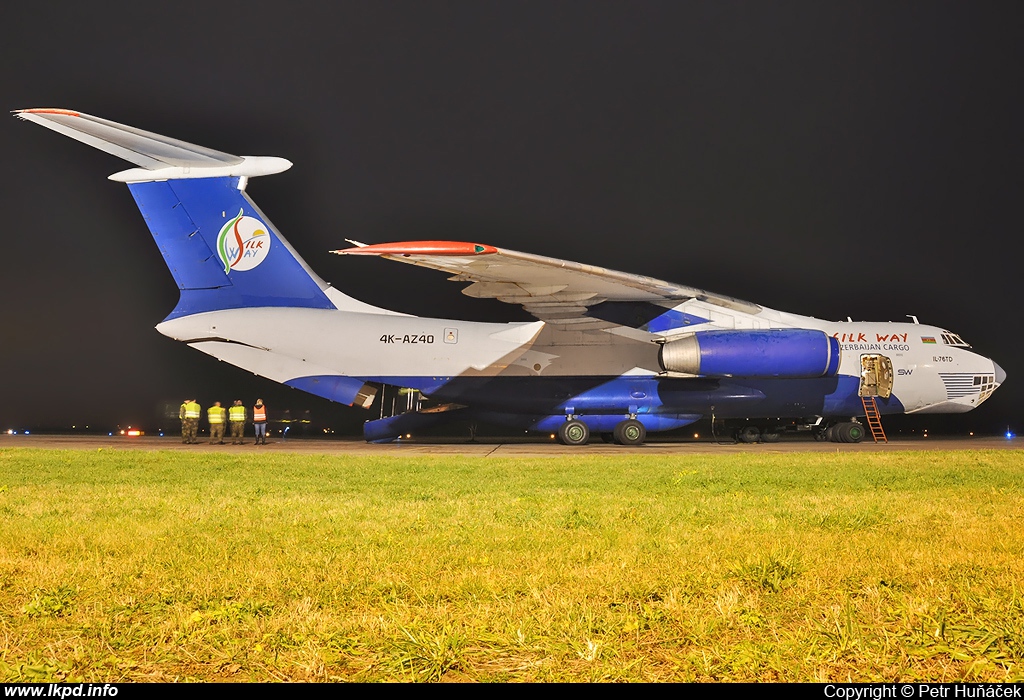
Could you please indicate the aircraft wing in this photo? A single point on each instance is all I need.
(559, 292)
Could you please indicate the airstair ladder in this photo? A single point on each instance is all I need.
(873, 418)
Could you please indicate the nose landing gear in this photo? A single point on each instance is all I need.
(849, 431)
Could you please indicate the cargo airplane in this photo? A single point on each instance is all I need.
(610, 353)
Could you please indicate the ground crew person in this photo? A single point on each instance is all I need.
(192, 413)
(236, 416)
(259, 422)
(184, 423)
(216, 415)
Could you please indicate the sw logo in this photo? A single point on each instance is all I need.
(243, 243)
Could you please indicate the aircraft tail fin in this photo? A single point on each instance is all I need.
(221, 249)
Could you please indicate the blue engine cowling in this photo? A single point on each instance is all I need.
(755, 354)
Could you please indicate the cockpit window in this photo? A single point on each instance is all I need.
(955, 340)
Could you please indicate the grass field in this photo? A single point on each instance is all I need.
(136, 566)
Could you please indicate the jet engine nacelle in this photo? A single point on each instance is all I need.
(756, 354)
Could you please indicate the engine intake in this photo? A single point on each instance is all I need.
(755, 354)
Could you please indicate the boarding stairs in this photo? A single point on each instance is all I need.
(873, 418)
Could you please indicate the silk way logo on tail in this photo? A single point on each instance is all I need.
(243, 243)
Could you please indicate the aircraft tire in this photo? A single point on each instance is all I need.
(770, 435)
(630, 432)
(830, 434)
(750, 434)
(573, 432)
(850, 432)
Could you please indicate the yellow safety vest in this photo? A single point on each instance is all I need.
(215, 414)
(192, 410)
(236, 414)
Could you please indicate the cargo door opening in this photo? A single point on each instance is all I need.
(875, 376)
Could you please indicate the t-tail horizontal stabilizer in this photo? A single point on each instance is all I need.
(220, 248)
(158, 157)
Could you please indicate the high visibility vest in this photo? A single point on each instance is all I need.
(181, 411)
(215, 414)
(236, 414)
(259, 414)
(192, 410)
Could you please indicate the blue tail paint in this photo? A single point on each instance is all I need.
(222, 251)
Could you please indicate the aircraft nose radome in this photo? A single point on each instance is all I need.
(1000, 374)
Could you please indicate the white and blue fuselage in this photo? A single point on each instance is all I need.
(540, 375)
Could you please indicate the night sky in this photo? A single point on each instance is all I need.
(827, 159)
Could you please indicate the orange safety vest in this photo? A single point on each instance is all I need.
(259, 414)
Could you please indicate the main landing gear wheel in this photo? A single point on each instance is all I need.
(770, 435)
(573, 432)
(750, 434)
(630, 432)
